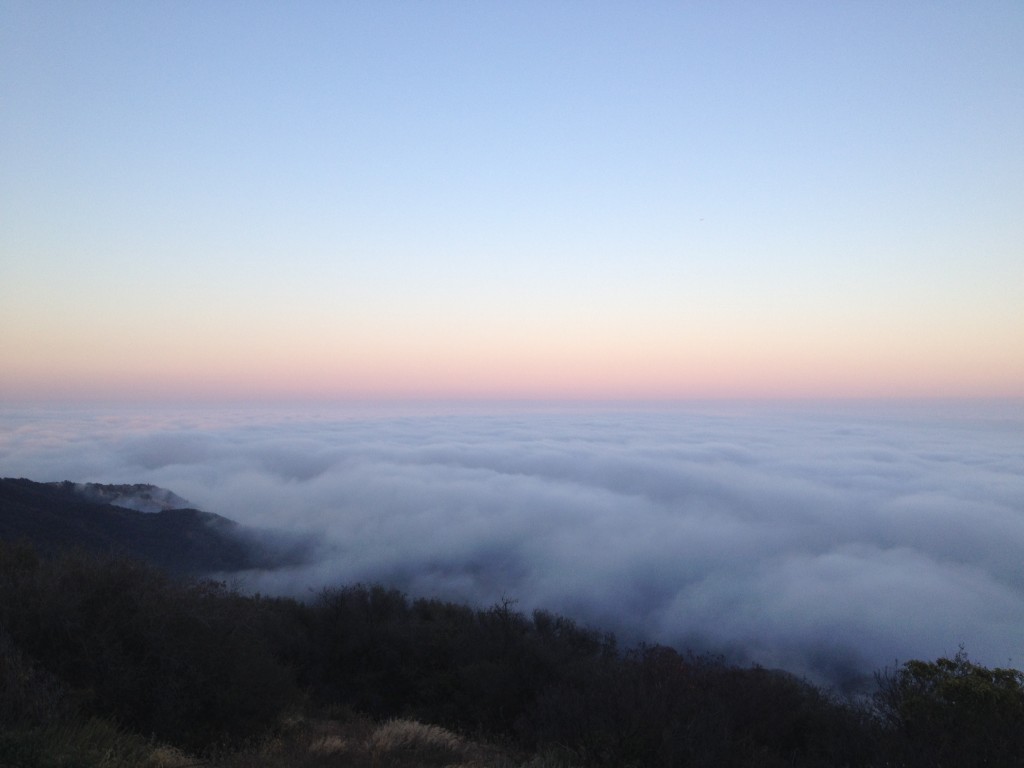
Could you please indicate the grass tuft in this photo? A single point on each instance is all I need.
(397, 735)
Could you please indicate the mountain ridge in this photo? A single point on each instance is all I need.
(142, 497)
(184, 540)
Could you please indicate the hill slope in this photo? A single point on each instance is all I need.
(54, 516)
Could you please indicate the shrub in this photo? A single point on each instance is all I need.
(186, 662)
(28, 696)
(657, 707)
(92, 743)
(953, 712)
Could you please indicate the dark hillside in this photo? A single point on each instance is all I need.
(91, 643)
(56, 516)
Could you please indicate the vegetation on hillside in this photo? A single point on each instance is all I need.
(109, 662)
(54, 516)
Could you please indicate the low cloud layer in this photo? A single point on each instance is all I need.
(828, 541)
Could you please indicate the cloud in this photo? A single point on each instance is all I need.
(825, 541)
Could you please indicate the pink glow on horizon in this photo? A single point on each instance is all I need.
(528, 375)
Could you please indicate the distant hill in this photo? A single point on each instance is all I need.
(140, 496)
(139, 521)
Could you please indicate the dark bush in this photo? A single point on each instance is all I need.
(953, 712)
(91, 640)
(187, 662)
(656, 707)
(29, 696)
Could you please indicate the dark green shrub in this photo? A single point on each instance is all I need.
(77, 743)
(187, 662)
(656, 707)
(29, 696)
(953, 712)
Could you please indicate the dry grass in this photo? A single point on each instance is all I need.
(169, 757)
(359, 743)
(353, 742)
(412, 736)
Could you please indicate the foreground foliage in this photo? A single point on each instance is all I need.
(107, 662)
(954, 712)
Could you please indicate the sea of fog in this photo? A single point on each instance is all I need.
(827, 539)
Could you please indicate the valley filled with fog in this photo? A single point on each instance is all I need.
(828, 540)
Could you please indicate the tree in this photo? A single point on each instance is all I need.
(952, 712)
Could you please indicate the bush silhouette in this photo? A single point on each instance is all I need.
(136, 653)
(954, 712)
(186, 662)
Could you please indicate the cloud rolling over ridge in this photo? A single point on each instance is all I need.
(826, 540)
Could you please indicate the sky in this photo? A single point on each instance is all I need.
(528, 200)
(832, 540)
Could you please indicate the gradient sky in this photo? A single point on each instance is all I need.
(511, 200)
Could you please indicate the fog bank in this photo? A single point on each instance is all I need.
(828, 540)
